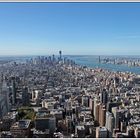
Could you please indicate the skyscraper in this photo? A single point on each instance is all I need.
(102, 116)
(96, 101)
(53, 58)
(3, 108)
(91, 105)
(25, 96)
(14, 91)
(60, 55)
(5, 92)
(97, 110)
(110, 123)
(85, 101)
(116, 114)
(4, 100)
(104, 97)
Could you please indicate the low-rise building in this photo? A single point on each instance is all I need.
(21, 129)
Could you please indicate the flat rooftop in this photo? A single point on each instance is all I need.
(41, 115)
(102, 128)
(80, 127)
(47, 131)
(22, 124)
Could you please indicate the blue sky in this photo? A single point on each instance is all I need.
(74, 28)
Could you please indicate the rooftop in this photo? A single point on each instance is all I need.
(43, 115)
(80, 127)
(102, 128)
(40, 132)
(22, 124)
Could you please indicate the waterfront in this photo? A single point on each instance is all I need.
(92, 61)
(89, 61)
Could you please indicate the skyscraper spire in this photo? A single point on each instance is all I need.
(60, 55)
(53, 58)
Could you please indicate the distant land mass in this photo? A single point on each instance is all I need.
(87, 60)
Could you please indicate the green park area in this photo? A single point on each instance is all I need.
(26, 113)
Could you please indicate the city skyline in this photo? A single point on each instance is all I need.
(74, 28)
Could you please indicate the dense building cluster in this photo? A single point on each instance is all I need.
(48, 97)
(132, 62)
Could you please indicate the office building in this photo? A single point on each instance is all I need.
(123, 126)
(14, 90)
(116, 114)
(25, 96)
(80, 131)
(130, 131)
(60, 55)
(40, 134)
(8, 120)
(102, 115)
(6, 134)
(5, 92)
(92, 131)
(35, 95)
(3, 105)
(88, 126)
(21, 129)
(85, 101)
(104, 97)
(137, 131)
(68, 124)
(110, 105)
(44, 121)
(101, 132)
(110, 123)
(97, 110)
(91, 105)
(57, 113)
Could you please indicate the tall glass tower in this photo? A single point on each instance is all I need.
(60, 55)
